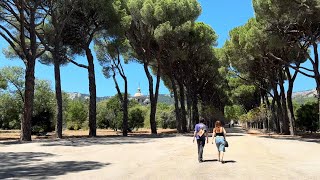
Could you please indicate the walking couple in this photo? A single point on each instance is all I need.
(201, 134)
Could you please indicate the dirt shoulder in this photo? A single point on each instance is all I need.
(15, 134)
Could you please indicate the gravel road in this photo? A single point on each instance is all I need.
(163, 157)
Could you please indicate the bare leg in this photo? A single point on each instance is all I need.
(222, 153)
(219, 156)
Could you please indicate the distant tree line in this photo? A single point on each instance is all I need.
(75, 111)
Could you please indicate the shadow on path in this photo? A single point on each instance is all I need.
(210, 160)
(30, 165)
(104, 140)
(80, 141)
(230, 161)
(214, 160)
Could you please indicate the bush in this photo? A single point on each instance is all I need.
(73, 125)
(76, 114)
(136, 118)
(42, 122)
(165, 116)
(10, 111)
(167, 119)
(307, 117)
(102, 115)
(43, 111)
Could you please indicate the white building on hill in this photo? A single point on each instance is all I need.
(142, 99)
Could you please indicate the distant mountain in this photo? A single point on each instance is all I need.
(300, 96)
(166, 98)
(163, 98)
(307, 93)
(76, 95)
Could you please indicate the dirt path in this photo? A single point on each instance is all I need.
(168, 157)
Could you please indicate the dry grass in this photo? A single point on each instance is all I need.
(15, 134)
(256, 132)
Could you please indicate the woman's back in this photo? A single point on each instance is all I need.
(218, 131)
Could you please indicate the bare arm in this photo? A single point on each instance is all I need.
(224, 133)
(194, 135)
(213, 135)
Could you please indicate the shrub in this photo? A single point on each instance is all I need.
(42, 122)
(76, 114)
(307, 117)
(136, 117)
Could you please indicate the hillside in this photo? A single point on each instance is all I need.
(300, 97)
(163, 98)
(306, 94)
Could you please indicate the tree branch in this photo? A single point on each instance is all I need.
(14, 47)
(252, 82)
(116, 84)
(288, 64)
(77, 64)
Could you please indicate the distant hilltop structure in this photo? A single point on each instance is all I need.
(140, 98)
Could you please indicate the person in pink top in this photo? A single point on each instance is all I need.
(201, 134)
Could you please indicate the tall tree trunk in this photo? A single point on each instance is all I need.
(279, 114)
(123, 99)
(125, 108)
(265, 120)
(268, 106)
(189, 111)
(317, 75)
(286, 130)
(28, 101)
(153, 99)
(58, 97)
(289, 99)
(93, 96)
(30, 69)
(156, 95)
(183, 108)
(195, 111)
(176, 105)
(277, 109)
(318, 94)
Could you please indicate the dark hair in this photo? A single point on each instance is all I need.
(201, 120)
(217, 126)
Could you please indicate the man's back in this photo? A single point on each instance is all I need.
(200, 129)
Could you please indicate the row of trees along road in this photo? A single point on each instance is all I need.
(271, 49)
(55, 31)
(164, 37)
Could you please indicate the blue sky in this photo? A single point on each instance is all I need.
(222, 16)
